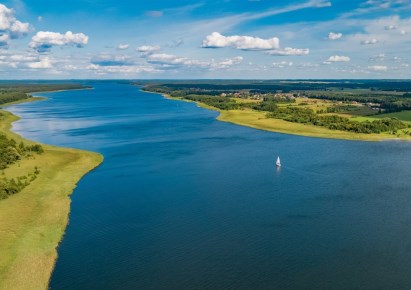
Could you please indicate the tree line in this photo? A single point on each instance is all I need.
(335, 122)
(10, 186)
(11, 151)
(16, 92)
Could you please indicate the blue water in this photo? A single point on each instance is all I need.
(183, 201)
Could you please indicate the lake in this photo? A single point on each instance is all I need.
(183, 201)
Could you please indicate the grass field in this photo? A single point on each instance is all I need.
(33, 221)
(258, 120)
(404, 116)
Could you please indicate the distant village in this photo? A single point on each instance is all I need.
(245, 94)
(260, 96)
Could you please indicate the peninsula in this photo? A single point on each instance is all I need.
(353, 110)
(35, 186)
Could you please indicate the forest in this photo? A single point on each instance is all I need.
(11, 152)
(12, 92)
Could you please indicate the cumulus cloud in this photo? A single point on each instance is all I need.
(122, 46)
(10, 27)
(271, 45)
(378, 67)
(148, 49)
(226, 63)
(369, 41)
(170, 61)
(23, 58)
(43, 41)
(217, 40)
(334, 36)
(126, 70)
(290, 51)
(4, 40)
(44, 63)
(16, 60)
(338, 58)
(155, 62)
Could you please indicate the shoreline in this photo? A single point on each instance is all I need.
(33, 221)
(257, 120)
(28, 100)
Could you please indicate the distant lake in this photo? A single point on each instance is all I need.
(183, 201)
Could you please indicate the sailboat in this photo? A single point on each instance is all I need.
(278, 162)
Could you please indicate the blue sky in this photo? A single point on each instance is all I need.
(244, 39)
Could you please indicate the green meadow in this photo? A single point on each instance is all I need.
(33, 221)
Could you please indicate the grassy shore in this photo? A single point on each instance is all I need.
(33, 221)
(258, 120)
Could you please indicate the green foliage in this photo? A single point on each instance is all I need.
(10, 186)
(268, 106)
(11, 152)
(335, 122)
(388, 102)
(222, 103)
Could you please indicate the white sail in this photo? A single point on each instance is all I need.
(278, 163)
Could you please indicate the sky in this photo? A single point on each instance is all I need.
(213, 39)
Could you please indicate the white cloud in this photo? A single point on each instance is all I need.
(148, 49)
(170, 60)
(217, 40)
(4, 40)
(287, 9)
(289, 51)
(23, 58)
(338, 58)
(122, 46)
(378, 57)
(282, 64)
(334, 36)
(42, 64)
(44, 40)
(126, 70)
(369, 41)
(226, 63)
(10, 27)
(164, 61)
(18, 60)
(228, 22)
(378, 67)
(271, 45)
